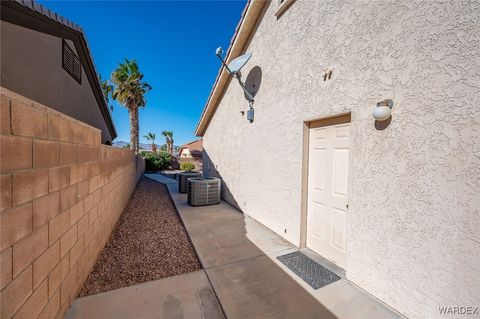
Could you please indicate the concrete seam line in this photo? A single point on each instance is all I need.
(195, 249)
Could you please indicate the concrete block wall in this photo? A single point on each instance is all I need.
(61, 195)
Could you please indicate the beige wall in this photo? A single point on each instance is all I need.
(185, 153)
(61, 194)
(413, 236)
(28, 55)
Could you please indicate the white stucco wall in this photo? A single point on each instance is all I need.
(413, 236)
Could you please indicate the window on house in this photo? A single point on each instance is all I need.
(71, 63)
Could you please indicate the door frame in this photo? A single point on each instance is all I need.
(307, 125)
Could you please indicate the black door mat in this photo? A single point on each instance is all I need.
(310, 271)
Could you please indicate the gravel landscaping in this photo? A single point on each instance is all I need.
(149, 242)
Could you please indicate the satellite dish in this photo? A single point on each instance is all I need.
(239, 62)
(234, 69)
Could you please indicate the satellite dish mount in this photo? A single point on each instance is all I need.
(233, 68)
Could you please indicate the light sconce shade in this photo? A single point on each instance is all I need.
(383, 110)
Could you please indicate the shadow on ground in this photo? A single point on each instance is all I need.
(242, 278)
(236, 253)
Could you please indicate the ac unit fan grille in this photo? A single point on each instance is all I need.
(203, 191)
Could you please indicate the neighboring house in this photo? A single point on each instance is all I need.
(192, 152)
(394, 203)
(62, 189)
(46, 58)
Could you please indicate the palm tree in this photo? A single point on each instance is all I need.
(129, 90)
(163, 148)
(107, 89)
(151, 137)
(169, 141)
(170, 146)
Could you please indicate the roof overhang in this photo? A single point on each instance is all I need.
(252, 12)
(33, 15)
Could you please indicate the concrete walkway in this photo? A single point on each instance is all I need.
(240, 269)
(239, 257)
(184, 296)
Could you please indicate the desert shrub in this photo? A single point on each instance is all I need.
(156, 161)
(187, 166)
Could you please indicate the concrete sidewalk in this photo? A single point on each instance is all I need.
(239, 257)
(241, 277)
(184, 296)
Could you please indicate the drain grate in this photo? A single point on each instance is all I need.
(310, 271)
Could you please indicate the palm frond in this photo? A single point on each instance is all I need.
(129, 89)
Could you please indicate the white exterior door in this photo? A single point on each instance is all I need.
(327, 191)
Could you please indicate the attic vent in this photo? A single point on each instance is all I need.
(71, 63)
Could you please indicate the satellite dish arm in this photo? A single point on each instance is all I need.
(223, 62)
(236, 75)
(249, 95)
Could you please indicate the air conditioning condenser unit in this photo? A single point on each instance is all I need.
(203, 191)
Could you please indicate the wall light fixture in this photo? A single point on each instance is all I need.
(383, 110)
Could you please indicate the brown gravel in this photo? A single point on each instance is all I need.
(149, 242)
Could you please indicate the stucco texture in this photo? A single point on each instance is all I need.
(413, 233)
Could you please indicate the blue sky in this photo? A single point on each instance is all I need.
(174, 43)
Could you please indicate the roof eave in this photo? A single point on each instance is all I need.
(61, 26)
(246, 26)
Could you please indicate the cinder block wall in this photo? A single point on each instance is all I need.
(61, 195)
